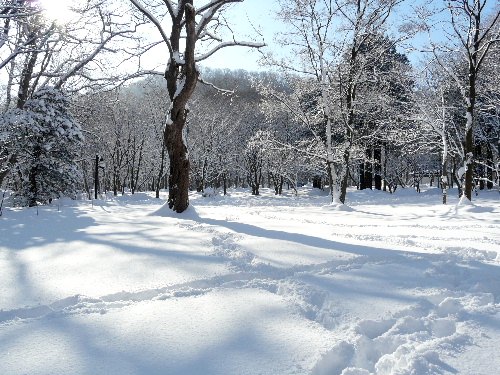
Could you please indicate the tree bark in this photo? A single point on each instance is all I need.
(368, 169)
(26, 76)
(345, 177)
(160, 173)
(444, 178)
(178, 182)
(224, 181)
(489, 167)
(181, 82)
(377, 156)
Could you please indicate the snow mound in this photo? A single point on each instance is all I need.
(337, 207)
(450, 306)
(210, 193)
(464, 205)
(165, 211)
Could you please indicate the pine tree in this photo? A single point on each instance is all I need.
(46, 142)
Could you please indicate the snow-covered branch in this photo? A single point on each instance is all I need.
(155, 21)
(228, 44)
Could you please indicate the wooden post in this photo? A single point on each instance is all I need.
(96, 176)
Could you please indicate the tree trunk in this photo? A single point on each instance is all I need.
(224, 182)
(469, 164)
(377, 155)
(456, 180)
(317, 182)
(329, 167)
(160, 173)
(178, 182)
(361, 176)
(139, 162)
(444, 178)
(26, 76)
(480, 168)
(204, 175)
(96, 176)
(368, 170)
(489, 167)
(345, 177)
(181, 80)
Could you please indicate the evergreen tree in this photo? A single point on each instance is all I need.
(46, 142)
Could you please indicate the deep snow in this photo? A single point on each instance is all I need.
(398, 284)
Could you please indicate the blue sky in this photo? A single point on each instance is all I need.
(244, 17)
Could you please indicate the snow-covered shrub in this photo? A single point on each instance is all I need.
(210, 192)
(45, 141)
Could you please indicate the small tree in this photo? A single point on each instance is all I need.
(47, 143)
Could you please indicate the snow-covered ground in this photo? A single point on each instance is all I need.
(398, 284)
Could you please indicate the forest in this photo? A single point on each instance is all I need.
(243, 187)
(82, 115)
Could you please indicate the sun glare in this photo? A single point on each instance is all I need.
(57, 10)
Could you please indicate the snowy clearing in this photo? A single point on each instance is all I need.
(398, 284)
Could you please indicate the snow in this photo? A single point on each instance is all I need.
(180, 87)
(238, 284)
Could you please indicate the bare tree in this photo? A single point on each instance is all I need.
(82, 53)
(331, 39)
(190, 27)
(475, 34)
(12, 14)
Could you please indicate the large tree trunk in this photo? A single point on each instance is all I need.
(181, 82)
(178, 182)
(26, 77)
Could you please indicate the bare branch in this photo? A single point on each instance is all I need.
(228, 44)
(155, 21)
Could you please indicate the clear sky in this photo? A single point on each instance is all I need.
(244, 17)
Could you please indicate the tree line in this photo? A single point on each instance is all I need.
(349, 109)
